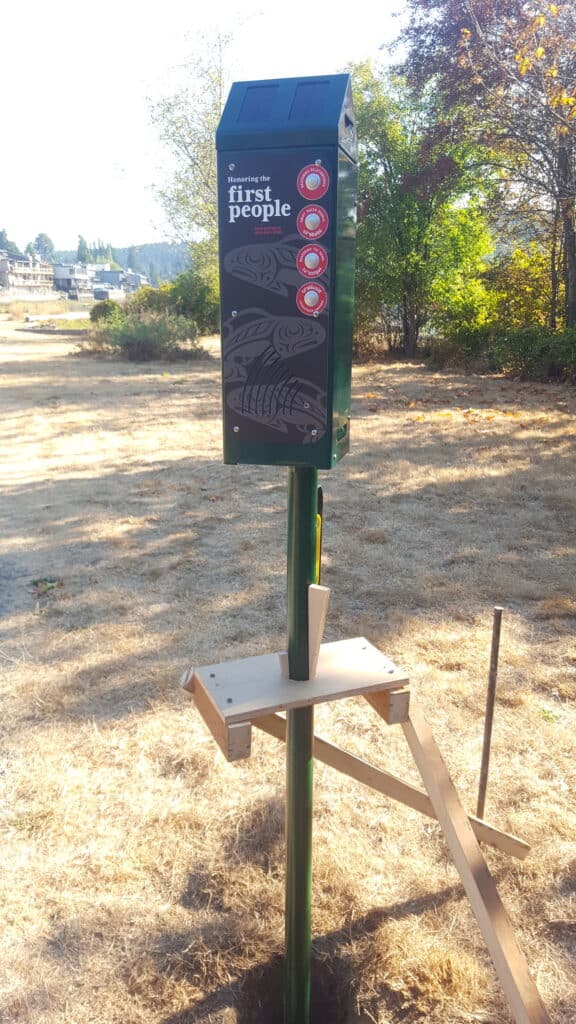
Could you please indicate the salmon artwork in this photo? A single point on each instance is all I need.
(257, 352)
(271, 266)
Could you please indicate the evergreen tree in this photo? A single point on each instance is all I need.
(133, 260)
(83, 252)
(7, 244)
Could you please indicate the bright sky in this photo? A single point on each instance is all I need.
(78, 153)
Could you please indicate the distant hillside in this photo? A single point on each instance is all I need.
(161, 261)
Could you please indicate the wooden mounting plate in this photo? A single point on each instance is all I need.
(245, 689)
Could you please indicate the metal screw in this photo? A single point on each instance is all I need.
(231, 167)
(306, 405)
(234, 312)
(315, 313)
(236, 430)
(314, 432)
(318, 163)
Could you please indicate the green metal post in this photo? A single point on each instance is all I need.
(302, 509)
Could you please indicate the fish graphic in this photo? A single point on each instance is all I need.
(269, 265)
(255, 334)
(256, 353)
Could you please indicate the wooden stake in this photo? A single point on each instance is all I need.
(489, 717)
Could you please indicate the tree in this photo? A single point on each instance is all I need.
(506, 73)
(133, 260)
(187, 122)
(411, 174)
(83, 253)
(153, 274)
(43, 247)
(7, 245)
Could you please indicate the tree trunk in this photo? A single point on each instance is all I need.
(410, 327)
(554, 276)
(570, 267)
(568, 212)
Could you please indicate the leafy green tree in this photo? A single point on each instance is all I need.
(461, 297)
(7, 244)
(520, 282)
(43, 247)
(187, 122)
(83, 254)
(411, 174)
(505, 71)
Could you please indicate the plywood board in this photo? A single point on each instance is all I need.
(242, 690)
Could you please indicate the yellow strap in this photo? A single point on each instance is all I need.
(318, 547)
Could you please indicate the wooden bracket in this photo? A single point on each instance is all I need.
(318, 598)
(392, 705)
(235, 741)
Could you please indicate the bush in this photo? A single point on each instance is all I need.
(107, 310)
(192, 295)
(536, 352)
(142, 337)
(196, 295)
(152, 300)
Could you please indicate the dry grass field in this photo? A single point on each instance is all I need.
(142, 875)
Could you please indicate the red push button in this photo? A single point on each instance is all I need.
(312, 260)
(312, 222)
(311, 298)
(313, 181)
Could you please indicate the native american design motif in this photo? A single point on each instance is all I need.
(269, 265)
(258, 380)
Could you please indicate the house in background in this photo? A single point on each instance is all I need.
(73, 278)
(25, 276)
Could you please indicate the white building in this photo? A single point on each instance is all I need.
(24, 276)
(73, 278)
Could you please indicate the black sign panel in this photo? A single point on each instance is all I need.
(277, 228)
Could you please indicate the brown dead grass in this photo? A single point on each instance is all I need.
(142, 875)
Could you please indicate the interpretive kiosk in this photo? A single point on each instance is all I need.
(287, 154)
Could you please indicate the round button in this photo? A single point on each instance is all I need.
(313, 181)
(312, 260)
(312, 222)
(311, 299)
